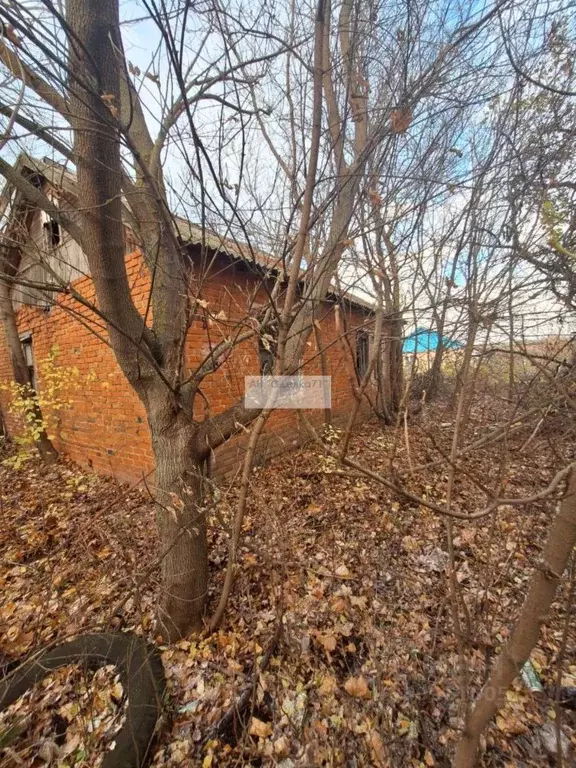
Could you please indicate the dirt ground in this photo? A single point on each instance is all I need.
(364, 670)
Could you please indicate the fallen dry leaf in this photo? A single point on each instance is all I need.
(281, 747)
(378, 750)
(68, 558)
(357, 687)
(327, 686)
(328, 642)
(260, 728)
(343, 572)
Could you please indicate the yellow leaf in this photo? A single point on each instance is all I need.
(501, 723)
(428, 759)
(117, 690)
(513, 696)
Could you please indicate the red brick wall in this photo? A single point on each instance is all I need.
(106, 427)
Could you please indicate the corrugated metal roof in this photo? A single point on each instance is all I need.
(60, 176)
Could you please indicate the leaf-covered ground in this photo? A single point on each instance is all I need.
(365, 669)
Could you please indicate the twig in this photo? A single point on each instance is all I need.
(561, 655)
(534, 431)
(238, 707)
(407, 441)
(526, 633)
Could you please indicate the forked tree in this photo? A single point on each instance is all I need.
(74, 67)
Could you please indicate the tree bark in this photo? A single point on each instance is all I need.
(93, 53)
(181, 525)
(392, 379)
(440, 320)
(436, 371)
(149, 358)
(181, 520)
(559, 544)
(396, 362)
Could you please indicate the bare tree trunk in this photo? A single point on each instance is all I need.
(20, 372)
(181, 522)
(179, 464)
(559, 544)
(392, 379)
(375, 353)
(436, 370)
(390, 373)
(471, 389)
(323, 370)
(396, 361)
(397, 334)
(462, 383)
(381, 399)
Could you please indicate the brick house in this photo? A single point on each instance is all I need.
(105, 426)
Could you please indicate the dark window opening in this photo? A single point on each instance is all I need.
(29, 359)
(52, 230)
(362, 353)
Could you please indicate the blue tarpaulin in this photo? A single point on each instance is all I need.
(426, 340)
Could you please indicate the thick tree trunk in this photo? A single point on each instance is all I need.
(149, 358)
(392, 381)
(558, 548)
(390, 373)
(20, 372)
(181, 520)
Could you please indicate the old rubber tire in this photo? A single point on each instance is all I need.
(141, 674)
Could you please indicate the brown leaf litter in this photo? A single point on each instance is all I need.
(365, 672)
